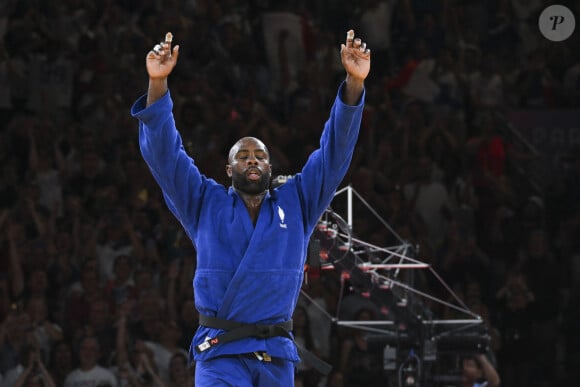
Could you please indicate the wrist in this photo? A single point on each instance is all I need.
(162, 79)
(352, 91)
(157, 88)
(157, 84)
(356, 83)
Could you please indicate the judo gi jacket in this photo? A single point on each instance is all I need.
(246, 273)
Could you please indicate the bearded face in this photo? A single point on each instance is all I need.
(249, 166)
(252, 181)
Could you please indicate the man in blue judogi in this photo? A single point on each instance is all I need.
(251, 240)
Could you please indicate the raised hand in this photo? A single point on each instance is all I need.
(162, 58)
(160, 63)
(356, 57)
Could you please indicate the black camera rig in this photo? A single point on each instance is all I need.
(417, 347)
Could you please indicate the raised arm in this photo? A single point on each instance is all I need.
(356, 59)
(160, 143)
(327, 166)
(160, 63)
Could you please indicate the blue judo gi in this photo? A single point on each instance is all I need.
(246, 273)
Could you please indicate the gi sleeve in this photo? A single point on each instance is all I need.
(327, 166)
(162, 149)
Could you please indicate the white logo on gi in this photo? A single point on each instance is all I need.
(281, 214)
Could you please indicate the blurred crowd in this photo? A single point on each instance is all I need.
(96, 274)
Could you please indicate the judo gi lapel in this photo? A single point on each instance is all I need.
(256, 236)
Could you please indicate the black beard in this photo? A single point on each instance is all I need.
(250, 187)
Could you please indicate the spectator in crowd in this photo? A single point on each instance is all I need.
(61, 361)
(360, 360)
(516, 316)
(45, 331)
(81, 296)
(147, 370)
(164, 347)
(180, 374)
(120, 288)
(35, 373)
(15, 336)
(89, 371)
(430, 200)
(478, 371)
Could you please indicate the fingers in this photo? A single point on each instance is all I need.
(163, 49)
(168, 40)
(359, 47)
(349, 38)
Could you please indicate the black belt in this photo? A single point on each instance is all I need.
(262, 356)
(235, 331)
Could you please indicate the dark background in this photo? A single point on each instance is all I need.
(469, 148)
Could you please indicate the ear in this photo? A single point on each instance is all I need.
(229, 170)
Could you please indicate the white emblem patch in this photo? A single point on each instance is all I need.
(282, 215)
